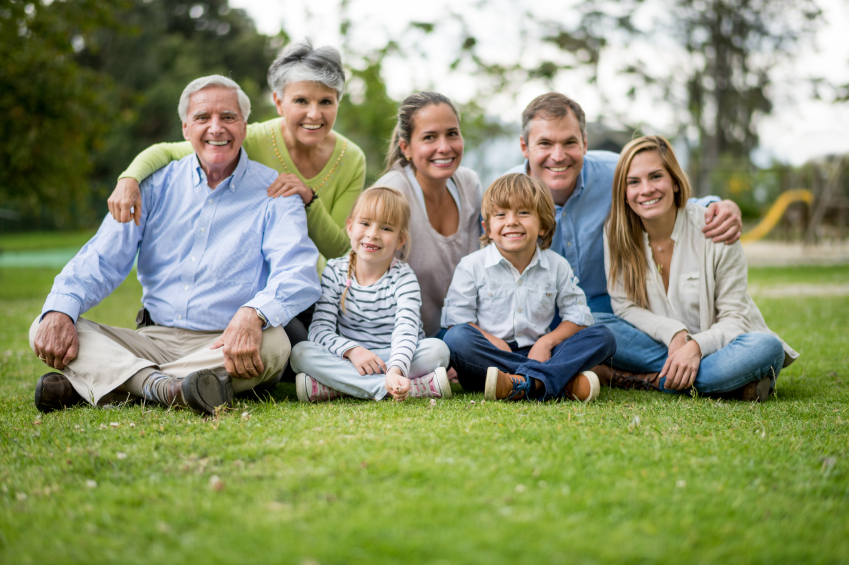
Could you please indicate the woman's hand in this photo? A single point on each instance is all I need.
(366, 362)
(397, 384)
(682, 365)
(288, 185)
(679, 340)
(125, 201)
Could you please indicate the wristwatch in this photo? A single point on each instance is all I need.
(261, 317)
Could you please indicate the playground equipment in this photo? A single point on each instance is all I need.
(776, 212)
(827, 198)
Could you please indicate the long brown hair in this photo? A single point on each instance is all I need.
(382, 204)
(625, 228)
(407, 123)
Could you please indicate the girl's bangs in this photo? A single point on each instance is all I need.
(380, 206)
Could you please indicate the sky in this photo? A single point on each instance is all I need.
(800, 128)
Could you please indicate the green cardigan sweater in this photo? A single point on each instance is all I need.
(337, 185)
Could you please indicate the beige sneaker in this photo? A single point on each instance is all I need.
(310, 390)
(431, 385)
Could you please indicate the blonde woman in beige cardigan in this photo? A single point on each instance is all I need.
(685, 292)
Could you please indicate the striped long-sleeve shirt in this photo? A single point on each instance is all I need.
(385, 314)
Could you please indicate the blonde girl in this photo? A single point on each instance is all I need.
(366, 337)
(687, 293)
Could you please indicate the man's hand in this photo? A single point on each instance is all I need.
(241, 341)
(365, 361)
(56, 342)
(288, 185)
(397, 384)
(125, 201)
(724, 222)
(682, 366)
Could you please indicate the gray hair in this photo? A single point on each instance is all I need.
(300, 62)
(206, 82)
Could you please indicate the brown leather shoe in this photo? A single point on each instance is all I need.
(53, 391)
(609, 376)
(584, 387)
(755, 391)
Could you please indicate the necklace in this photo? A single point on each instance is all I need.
(273, 138)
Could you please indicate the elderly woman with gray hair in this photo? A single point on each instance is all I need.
(320, 166)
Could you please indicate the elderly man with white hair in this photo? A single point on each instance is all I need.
(223, 267)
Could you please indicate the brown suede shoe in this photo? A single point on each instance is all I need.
(584, 387)
(623, 379)
(53, 391)
(755, 391)
(504, 386)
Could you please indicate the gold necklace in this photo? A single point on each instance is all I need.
(273, 138)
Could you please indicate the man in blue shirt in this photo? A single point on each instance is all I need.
(554, 144)
(223, 269)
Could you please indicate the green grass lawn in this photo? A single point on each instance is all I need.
(633, 478)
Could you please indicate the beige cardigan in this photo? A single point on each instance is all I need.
(725, 308)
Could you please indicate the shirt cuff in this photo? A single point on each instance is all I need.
(273, 312)
(578, 315)
(668, 331)
(62, 303)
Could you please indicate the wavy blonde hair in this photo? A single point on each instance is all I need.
(625, 228)
(382, 204)
(520, 190)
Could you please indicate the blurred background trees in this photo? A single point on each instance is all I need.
(85, 85)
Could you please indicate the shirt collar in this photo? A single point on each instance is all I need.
(198, 176)
(494, 257)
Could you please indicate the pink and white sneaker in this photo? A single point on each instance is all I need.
(431, 385)
(310, 390)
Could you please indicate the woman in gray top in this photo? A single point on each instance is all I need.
(445, 198)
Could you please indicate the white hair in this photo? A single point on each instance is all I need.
(206, 82)
(300, 62)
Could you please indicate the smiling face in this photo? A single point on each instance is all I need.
(514, 230)
(308, 110)
(649, 188)
(215, 129)
(374, 241)
(436, 146)
(555, 152)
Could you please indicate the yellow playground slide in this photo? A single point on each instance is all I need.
(776, 212)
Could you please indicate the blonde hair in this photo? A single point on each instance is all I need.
(625, 228)
(520, 190)
(382, 204)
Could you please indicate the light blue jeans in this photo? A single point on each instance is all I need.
(340, 374)
(750, 357)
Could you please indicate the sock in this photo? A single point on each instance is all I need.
(155, 388)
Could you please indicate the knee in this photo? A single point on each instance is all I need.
(458, 334)
(300, 352)
(33, 329)
(604, 338)
(770, 347)
(436, 350)
(275, 346)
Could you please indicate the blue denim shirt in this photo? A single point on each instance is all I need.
(580, 224)
(202, 254)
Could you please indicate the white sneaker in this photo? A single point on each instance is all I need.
(310, 390)
(431, 385)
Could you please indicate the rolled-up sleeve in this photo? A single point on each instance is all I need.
(571, 300)
(293, 284)
(461, 302)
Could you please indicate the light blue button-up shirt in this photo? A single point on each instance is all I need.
(202, 254)
(580, 224)
(489, 291)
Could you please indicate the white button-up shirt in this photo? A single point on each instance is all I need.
(488, 290)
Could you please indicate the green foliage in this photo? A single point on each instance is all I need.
(636, 477)
(56, 110)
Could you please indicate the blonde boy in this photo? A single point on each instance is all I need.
(502, 301)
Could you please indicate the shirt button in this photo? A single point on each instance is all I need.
(569, 244)
(186, 287)
(519, 283)
(690, 212)
(193, 259)
(490, 295)
(202, 230)
(277, 318)
(179, 316)
(210, 200)
(520, 310)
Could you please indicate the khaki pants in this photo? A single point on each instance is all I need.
(108, 357)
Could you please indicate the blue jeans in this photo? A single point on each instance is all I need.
(750, 357)
(472, 354)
